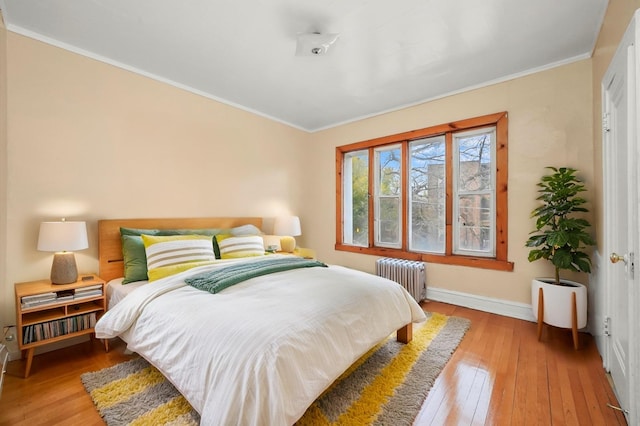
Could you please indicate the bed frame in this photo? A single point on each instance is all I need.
(110, 246)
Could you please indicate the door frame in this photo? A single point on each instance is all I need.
(631, 37)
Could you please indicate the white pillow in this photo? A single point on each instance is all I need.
(245, 230)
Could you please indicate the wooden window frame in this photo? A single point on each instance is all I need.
(500, 261)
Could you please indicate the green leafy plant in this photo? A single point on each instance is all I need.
(560, 237)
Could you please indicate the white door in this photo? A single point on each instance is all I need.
(621, 233)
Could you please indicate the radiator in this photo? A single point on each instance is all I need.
(408, 273)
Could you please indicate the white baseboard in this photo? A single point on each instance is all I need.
(481, 303)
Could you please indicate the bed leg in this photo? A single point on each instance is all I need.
(405, 334)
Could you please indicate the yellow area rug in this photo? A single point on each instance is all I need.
(386, 386)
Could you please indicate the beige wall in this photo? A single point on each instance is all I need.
(87, 141)
(550, 123)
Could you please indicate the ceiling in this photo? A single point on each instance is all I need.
(389, 54)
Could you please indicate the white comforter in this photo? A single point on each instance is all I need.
(260, 352)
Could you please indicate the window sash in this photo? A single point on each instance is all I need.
(355, 226)
(387, 196)
(468, 223)
(427, 176)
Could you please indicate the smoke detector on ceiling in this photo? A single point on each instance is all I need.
(315, 44)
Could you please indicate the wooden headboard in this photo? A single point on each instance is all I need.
(110, 246)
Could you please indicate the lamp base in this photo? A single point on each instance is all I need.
(64, 269)
(287, 244)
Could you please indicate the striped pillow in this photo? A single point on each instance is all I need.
(168, 255)
(245, 246)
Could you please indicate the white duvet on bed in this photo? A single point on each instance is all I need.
(116, 291)
(259, 352)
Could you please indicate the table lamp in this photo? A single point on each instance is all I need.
(287, 227)
(63, 238)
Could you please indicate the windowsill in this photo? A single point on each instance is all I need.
(473, 262)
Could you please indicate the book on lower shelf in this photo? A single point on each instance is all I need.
(50, 329)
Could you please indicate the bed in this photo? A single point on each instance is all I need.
(258, 352)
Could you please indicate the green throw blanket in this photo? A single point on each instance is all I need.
(217, 280)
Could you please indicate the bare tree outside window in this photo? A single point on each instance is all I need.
(475, 192)
(427, 195)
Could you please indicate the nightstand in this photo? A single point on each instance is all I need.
(48, 313)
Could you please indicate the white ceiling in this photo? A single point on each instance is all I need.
(390, 54)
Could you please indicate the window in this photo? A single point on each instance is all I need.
(437, 194)
(388, 196)
(427, 194)
(355, 189)
(474, 174)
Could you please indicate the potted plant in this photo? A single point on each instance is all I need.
(561, 238)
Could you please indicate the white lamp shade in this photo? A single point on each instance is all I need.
(62, 236)
(287, 225)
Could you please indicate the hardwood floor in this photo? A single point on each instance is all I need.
(499, 375)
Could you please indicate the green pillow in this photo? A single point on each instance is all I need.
(136, 231)
(133, 255)
(135, 259)
(170, 232)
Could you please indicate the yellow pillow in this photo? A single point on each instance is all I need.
(168, 255)
(243, 246)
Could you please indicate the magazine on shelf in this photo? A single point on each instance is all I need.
(39, 303)
(91, 287)
(88, 292)
(85, 295)
(38, 297)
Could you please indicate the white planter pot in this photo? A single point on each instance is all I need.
(557, 302)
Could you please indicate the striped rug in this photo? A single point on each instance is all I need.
(385, 386)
